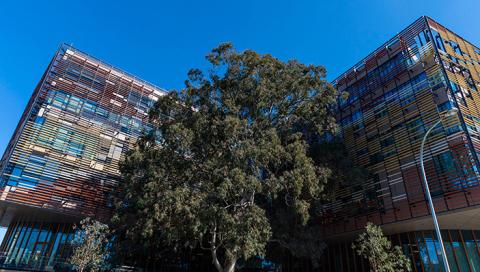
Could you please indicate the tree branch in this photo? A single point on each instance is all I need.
(282, 243)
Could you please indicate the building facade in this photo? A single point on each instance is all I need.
(395, 95)
(61, 164)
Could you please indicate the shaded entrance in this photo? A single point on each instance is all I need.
(40, 256)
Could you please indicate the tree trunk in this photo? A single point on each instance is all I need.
(214, 250)
(230, 267)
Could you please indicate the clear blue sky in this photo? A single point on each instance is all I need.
(160, 41)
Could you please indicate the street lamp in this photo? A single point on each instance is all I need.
(449, 113)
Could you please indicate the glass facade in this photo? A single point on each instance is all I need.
(81, 119)
(46, 246)
(395, 95)
(37, 246)
(421, 247)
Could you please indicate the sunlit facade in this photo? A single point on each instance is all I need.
(395, 95)
(61, 164)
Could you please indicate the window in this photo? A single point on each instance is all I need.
(380, 112)
(406, 100)
(387, 142)
(376, 158)
(358, 126)
(90, 106)
(444, 162)
(436, 81)
(61, 100)
(445, 106)
(362, 152)
(75, 104)
(357, 114)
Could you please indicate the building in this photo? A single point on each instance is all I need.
(61, 163)
(395, 94)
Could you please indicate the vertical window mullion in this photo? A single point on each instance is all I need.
(435, 247)
(34, 243)
(19, 230)
(476, 243)
(66, 239)
(60, 240)
(26, 241)
(426, 250)
(418, 246)
(7, 237)
(465, 248)
(412, 254)
(454, 253)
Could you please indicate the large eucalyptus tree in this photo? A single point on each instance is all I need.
(237, 162)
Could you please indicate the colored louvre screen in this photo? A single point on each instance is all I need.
(82, 118)
(395, 95)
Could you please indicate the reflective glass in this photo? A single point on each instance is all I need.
(43, 232)
(459, 250)
(423, 251)
(449, 250)
(21, 250)
(416, 252)
(472, 250)
(435, 257)
(406, 246)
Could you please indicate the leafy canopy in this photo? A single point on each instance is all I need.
(231, 167)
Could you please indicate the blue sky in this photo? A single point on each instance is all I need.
(160, 41)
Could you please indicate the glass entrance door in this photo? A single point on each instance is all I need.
(40, 255)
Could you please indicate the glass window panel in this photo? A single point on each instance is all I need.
(338, 260)
(43, 232)
(54, 258)
(21, 234)
(331, 259)
(358, 262)
(21, 249)
(416, 252)
(349, 257)
(63, 241)
(472, 251)
(435, 257)
(405, 246)
(394, 240)
(459, 250)
(31, 242)
(449, 249)
(12, 237)
(52, 232)
(423, 251)
(9, 236)
(14, 245)
(68, 243)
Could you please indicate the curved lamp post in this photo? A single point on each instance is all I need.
(449, 113)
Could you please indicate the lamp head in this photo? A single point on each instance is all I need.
(451, 112)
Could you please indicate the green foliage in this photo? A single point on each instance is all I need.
(375, 247)
(233, 168)
(89, 245)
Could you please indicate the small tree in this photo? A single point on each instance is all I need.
(89, 245)
(375, 247)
